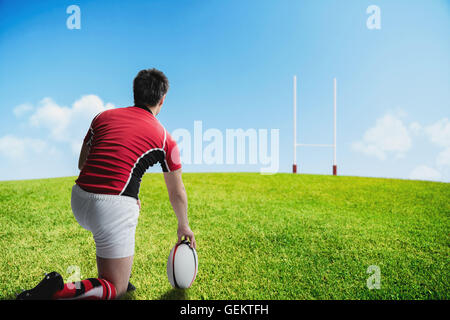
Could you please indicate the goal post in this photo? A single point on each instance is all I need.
(334, 126)
(333, 145)
(294, 167)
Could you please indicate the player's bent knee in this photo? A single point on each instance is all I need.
(117, 271)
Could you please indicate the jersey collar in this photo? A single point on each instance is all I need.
(145, 108)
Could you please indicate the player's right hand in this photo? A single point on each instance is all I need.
(186, 232)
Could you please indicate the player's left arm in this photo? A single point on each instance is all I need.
(83, 155)
(86, 146)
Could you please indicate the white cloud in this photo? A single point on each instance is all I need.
(439, 133)
(17, 149)
(425, 173)
(58, 132)
(389, 135)
(368, 149)
(28, 158)
(51, 116)
(68, 124)
(443, 158)
(76, 146)
(415, 128)
(22, 109)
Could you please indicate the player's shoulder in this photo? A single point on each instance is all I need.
(105, 114)
(168, 139)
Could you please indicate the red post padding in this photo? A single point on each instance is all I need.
(294, 168)
(334, 170)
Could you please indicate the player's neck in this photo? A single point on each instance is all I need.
(153, 110)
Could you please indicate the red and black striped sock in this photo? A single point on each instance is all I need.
(89, 289)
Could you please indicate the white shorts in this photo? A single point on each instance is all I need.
(112, 219)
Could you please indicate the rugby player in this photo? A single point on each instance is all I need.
(120, 145)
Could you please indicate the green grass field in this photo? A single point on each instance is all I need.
(282, 236)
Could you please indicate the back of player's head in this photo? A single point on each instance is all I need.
(149, 87)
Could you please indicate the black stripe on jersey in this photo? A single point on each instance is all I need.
(146, 161)
(164, 166)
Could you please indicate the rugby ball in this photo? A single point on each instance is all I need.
(182, 265)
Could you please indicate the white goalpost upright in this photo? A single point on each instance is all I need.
(294, 167)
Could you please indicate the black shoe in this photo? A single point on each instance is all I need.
(51, 283)
(130, 287)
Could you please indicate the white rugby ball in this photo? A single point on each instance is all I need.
(182, 265)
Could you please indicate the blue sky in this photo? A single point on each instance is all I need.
(230, 65)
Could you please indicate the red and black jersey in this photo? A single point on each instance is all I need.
(124, 143)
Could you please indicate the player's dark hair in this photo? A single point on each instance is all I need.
(149, 87)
